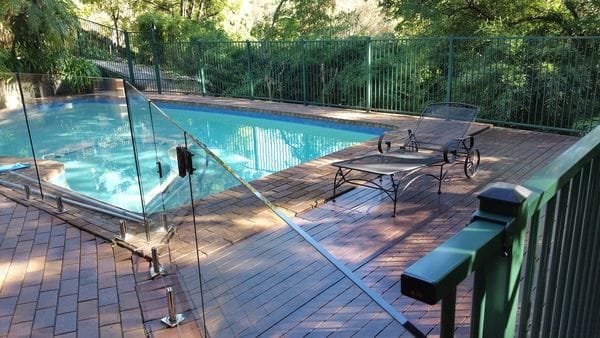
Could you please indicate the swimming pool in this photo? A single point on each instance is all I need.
(91, 137)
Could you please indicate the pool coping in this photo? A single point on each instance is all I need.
(279, 112)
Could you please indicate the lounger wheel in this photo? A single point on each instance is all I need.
(472, 163)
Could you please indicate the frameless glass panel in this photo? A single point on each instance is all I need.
(143, 137)
(81, 139)
(16, 155)
(245, 270)
(174, 190)
(158, 142)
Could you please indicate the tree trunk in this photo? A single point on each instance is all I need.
(275, 17)
(190, 8)
(201, 4)
(116, 25)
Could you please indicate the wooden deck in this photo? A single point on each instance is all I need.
(260, 278)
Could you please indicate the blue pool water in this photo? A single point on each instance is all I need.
(92, 139)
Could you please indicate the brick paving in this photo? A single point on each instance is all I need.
(59, 280)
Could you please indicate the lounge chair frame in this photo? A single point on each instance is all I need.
(406, 166)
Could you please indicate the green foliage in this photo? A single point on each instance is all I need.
(203, 10)
(115, 9)
(549, 82)
(40, 30)
(295, 19)
(225, 68)
(171, 29)
(4, 60)
(277, 70)
(195, 10)
(408, 73)
(77, 74)
(93, 45)
(493, 17)
(517, 81)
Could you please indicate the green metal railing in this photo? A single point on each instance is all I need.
(549, 83)
(556, 212)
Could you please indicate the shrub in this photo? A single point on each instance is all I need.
(77, 75)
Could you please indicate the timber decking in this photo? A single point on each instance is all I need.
(260, 277)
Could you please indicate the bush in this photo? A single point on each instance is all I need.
(4, 61)
(171, 30)
(77, 75)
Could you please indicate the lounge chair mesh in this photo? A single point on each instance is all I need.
(441, 123)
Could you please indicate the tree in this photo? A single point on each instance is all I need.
(115, 9)
(177, 29)
(202, 9)
(39, 31)
(295, 19)
(496, 17)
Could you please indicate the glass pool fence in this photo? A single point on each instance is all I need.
(232, 263)
(69, 136)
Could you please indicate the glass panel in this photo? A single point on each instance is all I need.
(81, 140)
(145, 159)
(243, 268)
(15, 149)
(156, 140)
(246, 271)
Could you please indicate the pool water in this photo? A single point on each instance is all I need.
(259, 144)
(92, 139)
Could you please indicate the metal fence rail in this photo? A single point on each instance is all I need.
(561, 298)
(550, 83)
(557, 210)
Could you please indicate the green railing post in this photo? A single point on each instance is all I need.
(250, 78)
(304, 80)
(155, 60)
(450, 68)
(496, 284)
(435, 276)
(448, 314)
(201, 69)
(129, 59)
(369, 74)
(491, 247)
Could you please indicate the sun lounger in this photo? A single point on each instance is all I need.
(439, 140)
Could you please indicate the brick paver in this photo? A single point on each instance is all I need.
(50, 277)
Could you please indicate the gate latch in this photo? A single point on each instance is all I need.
(184, 161)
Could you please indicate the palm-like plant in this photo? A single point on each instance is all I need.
(40, 32)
